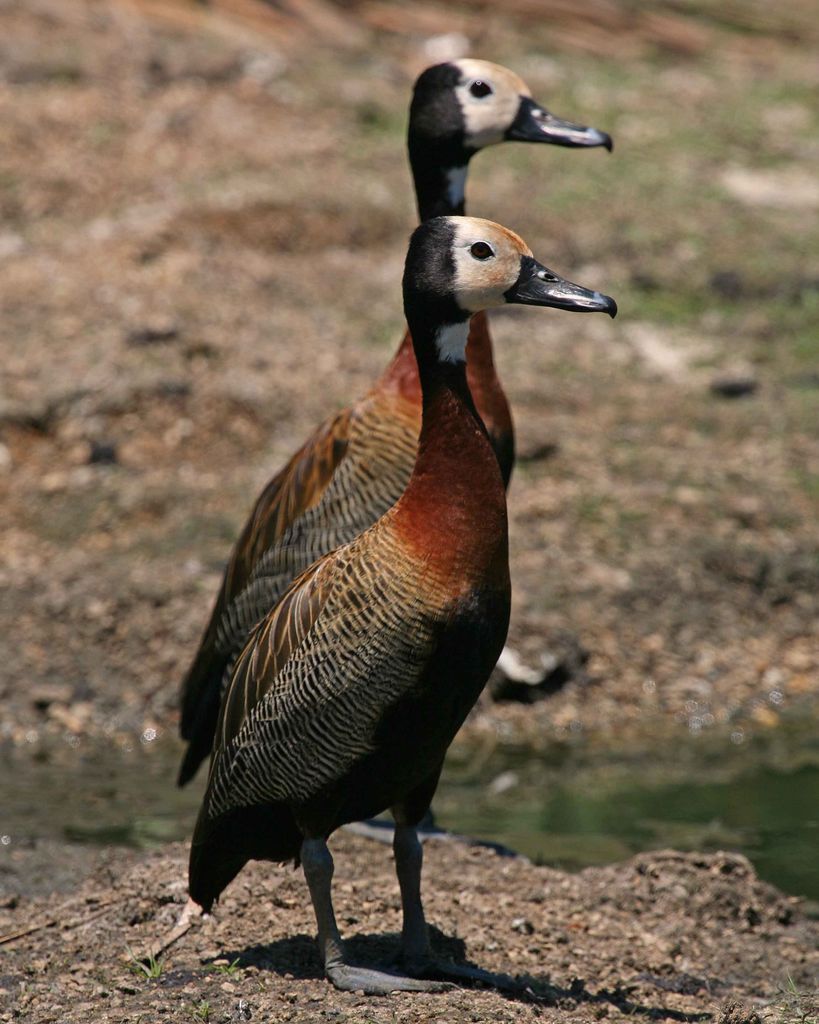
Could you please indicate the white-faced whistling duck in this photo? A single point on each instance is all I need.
(347, 694)
(356, 464)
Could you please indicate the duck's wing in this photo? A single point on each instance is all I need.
(349, 639)
(270, 649)
(289, 495)
(296, 489)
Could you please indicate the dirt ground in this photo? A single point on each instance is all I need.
(665, 936)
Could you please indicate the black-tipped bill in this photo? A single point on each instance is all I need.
(539, 286)
(534, 124)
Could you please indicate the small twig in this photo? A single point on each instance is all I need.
(11, 936)
(51, 922)
(191, 913)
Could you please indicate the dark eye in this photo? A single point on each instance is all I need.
(480, 89)
(482, 250)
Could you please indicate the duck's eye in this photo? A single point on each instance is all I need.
(479, 89)
(482, 250)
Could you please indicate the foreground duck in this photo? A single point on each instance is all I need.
(356, 464)
(348, 693)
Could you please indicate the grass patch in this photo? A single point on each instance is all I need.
(591, 508)
(794, 1006)
(224, 967)
(808, 482)
(146, 966)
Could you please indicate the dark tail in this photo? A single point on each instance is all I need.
(221, 848)
(205, 673)
(200, 732)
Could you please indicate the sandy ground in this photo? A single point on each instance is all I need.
(665, 936)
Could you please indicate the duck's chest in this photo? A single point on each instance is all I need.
(423, 722)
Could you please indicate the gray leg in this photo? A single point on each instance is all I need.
(317, 862)
(409, 858)
(416, 952)
(318, 870)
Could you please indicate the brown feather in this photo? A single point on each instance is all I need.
(297, 488)
(269, 649)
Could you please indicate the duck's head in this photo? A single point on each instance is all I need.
(457, 266)
(464, 105)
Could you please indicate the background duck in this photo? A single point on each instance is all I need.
(347, 695)
(356, 464)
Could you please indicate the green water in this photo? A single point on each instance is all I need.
(575, 811)
(770, 816)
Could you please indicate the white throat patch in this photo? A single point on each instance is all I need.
(456, 185)
(451, 342)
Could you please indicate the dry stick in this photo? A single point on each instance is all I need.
(51, 922)
(191, 912)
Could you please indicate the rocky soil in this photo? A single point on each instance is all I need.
(665, 936)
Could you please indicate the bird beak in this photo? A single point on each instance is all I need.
(534, 124)
(539, 286)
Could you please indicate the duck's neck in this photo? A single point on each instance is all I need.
(401, 374)
(455, 499)
(439, 190)
(401, 377)
(439, 175)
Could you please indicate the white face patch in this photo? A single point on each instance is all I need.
(483, 283)
(451, 342)
(487, 118)
(456, 185)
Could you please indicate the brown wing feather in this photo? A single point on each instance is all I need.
(293, 491)
(318, 676)
(269, 648)
(297, 488)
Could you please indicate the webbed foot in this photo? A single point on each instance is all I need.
(350, 978)
(445, 970)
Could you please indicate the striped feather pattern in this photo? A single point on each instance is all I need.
(370, 478)
(348, 642)
(351, 471)
(297, 488)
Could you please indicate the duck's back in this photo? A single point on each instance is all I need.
(380, 446)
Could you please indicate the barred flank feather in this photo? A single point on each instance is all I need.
(285, 729)
(337, 485)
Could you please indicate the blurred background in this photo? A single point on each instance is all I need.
(205, 208)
